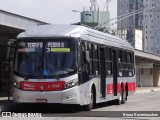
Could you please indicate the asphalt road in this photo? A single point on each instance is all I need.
(137, 104)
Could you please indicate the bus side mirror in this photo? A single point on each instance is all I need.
(8, 53)
(11, 48)
(87, 60)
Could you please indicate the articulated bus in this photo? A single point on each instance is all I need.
(72, 64)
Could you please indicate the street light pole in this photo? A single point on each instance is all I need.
(98, 15)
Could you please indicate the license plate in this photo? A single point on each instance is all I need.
(41, 100)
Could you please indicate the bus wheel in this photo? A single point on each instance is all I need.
(126, 92)
(120, 99)
(123, 97)
(90, 106)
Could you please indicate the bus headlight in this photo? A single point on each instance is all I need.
(16, 84)
(70, 84)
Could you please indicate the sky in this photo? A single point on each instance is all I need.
(53, 11)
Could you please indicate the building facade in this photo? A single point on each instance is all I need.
(129, 24)
(151, 28)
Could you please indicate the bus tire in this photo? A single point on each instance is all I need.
(120, 98)
(126, 91)
(123, 96)
(91, 105)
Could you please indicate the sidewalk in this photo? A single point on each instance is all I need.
(147, 89)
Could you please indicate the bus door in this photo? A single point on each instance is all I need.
(102, 72)
(114, 58)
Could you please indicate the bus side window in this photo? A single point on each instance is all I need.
(119, 56)
(108, 61)
(90, 50)
(96, 51)
(82, 58)
(108, 54)
(90, 47)
(82, 54)
(85, 65)
(83, 49)
(129, 57)
(124, 56)
(132, 58)
(96, 60)
(84, 71)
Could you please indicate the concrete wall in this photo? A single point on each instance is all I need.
(144, 77)
(156, 76)
(138, 77)
(151, 28)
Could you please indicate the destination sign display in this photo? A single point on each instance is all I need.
(55, 44)
(40, 44)
(30, 50)
(35, 45)
(30, 46)
(60, 49)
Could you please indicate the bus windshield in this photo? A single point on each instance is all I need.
(35, 58)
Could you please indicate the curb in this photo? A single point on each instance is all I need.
(147, 90)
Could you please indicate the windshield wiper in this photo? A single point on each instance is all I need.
(51, 67)
(27, 77)
(49, 64)
(32, 73)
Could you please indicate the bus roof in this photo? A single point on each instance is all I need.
(76, 31)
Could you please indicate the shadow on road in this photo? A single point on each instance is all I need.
(9, 106)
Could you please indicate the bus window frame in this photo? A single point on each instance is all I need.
(109, 61)
(44, 40)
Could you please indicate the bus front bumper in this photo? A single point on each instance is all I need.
(69, 96)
